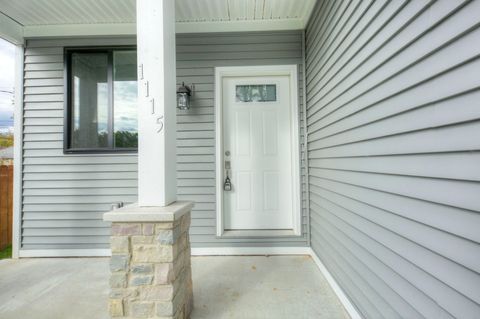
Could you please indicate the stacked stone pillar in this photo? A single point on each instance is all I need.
(150, 264)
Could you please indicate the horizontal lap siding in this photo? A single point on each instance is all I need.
(393, 124)
(65, 195)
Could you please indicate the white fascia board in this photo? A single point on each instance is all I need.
(11, 30)
(80, 30)
(240, 26)
(128, 29)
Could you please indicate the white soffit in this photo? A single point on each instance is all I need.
(190, 11)
(42, 18)
(45, 12)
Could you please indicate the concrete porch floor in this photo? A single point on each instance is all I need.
(224, 287)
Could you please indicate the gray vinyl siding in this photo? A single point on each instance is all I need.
(393, 91)
(64, 196)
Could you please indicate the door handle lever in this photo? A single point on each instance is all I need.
(227, 185)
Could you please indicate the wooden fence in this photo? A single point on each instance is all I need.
(6, 205)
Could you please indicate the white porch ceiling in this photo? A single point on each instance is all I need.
(37, 16)
(235, 10)
(48, 12)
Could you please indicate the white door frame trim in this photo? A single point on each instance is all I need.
(264, 70)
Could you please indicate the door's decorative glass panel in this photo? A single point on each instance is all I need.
(256, 93)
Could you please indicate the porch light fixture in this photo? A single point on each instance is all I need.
(183, 97)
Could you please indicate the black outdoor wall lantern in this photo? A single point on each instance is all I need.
(184, 94)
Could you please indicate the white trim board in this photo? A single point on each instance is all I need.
(349, 307)
(18, 152)
(305, 159)
(261, 70)
(249, 251)
(126, 29)
(65, 253)
(10, 30)
(207, 251)
(79, 30)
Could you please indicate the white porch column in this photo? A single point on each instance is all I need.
(156, 102)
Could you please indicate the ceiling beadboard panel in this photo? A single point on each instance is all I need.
(60, 12)
(48, 12)
(201, 10)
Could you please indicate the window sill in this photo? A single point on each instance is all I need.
(101, 152)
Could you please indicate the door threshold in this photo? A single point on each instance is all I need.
(258, 233)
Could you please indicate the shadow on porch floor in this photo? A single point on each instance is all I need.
(224, 287)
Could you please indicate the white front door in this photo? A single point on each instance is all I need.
(257, 153)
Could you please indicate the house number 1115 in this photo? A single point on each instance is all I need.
(159, 119)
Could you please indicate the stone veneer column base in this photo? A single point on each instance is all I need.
(150, 265)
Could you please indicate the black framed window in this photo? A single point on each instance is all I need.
(101, 110)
